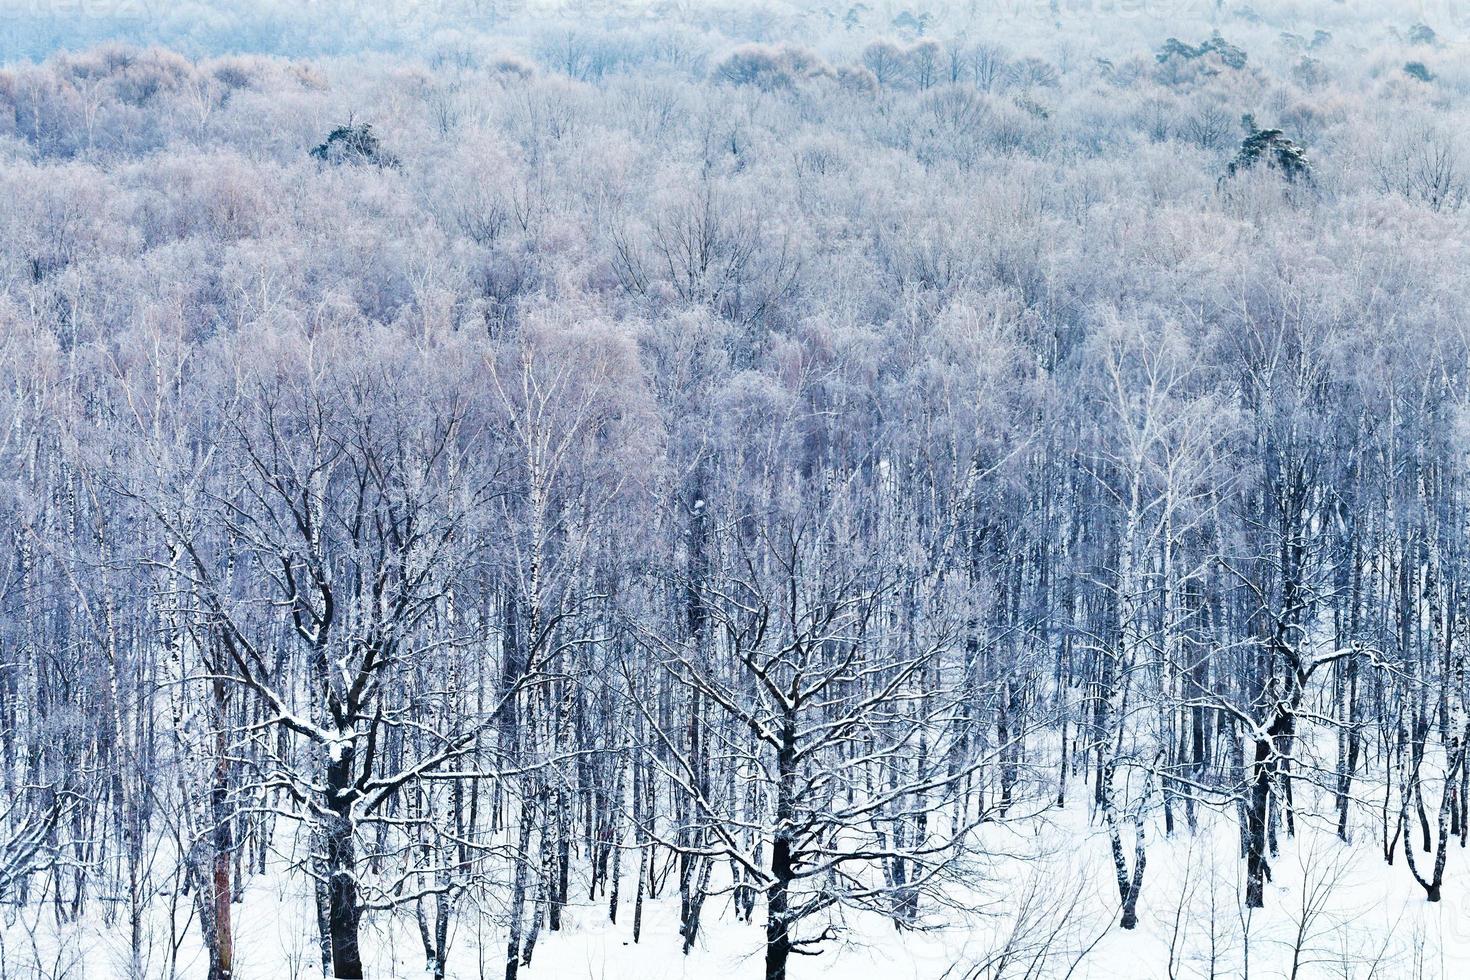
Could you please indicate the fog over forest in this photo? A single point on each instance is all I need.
(619, 490)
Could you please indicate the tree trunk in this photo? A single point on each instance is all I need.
(343, 910)
(222, 948)
(518, 889)
(778, 927)
(1258, 869)
(778, 894)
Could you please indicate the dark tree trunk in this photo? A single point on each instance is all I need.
(1258, 869)
(518, 892)
(222, 953)
(343, 911)
(778, 894)
(778, 926)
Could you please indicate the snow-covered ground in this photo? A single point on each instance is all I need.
(1046, 908)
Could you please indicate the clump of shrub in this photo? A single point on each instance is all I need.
(354, 144)
(1271, 148)
(770, 68)
(1418, 70)
(1212, 57)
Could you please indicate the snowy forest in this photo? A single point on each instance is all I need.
(955, 490)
